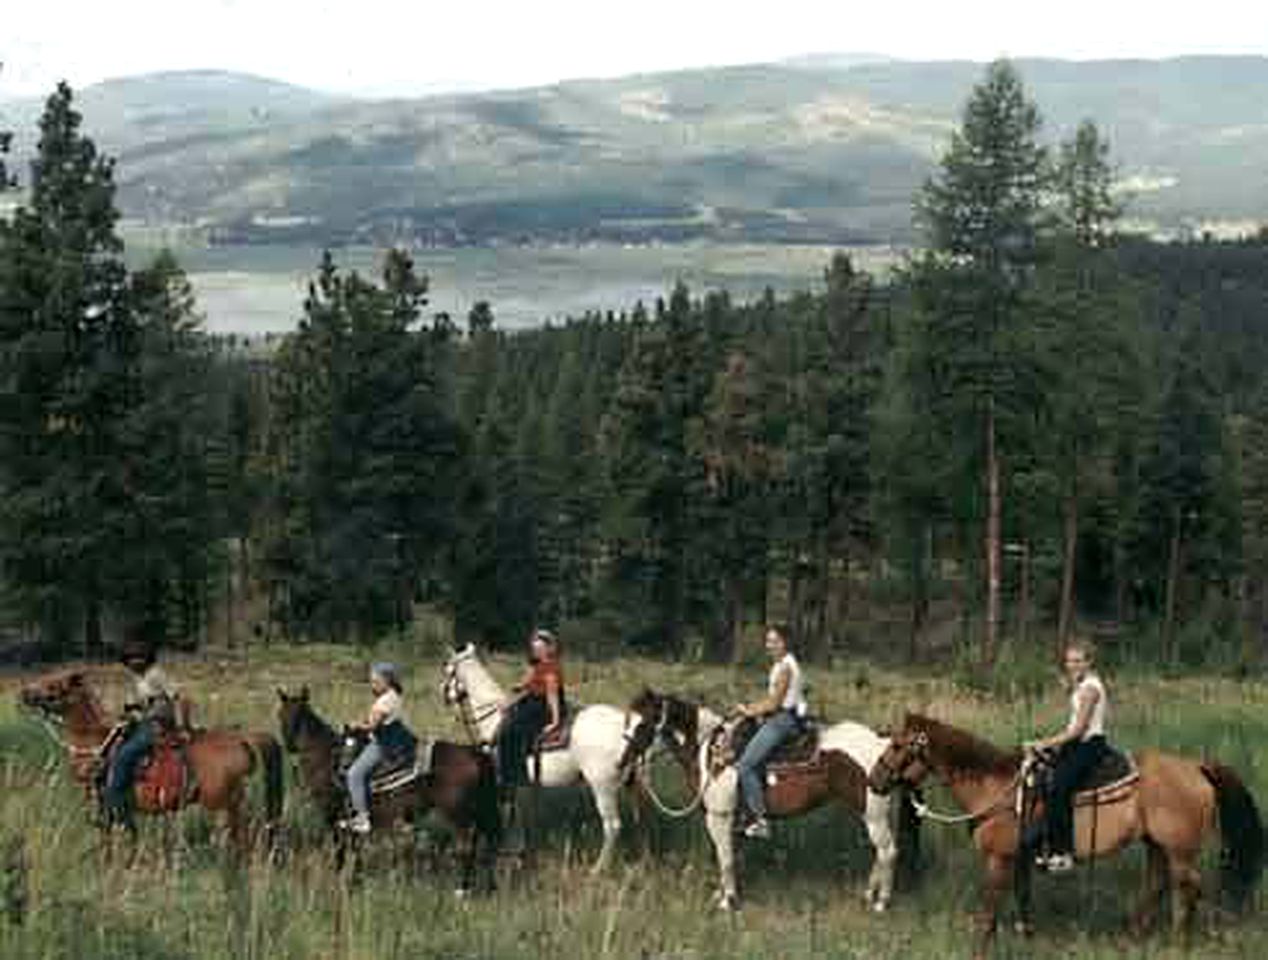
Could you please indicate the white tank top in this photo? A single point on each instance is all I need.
(1096, 722)
(386, 708)
(795, 695)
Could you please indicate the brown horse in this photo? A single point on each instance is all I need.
(219, 761)
(1171, 809)
(457, 780)
(837, 773)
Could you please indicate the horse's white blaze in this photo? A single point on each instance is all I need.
(594, 749)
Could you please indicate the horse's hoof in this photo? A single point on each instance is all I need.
(1024, 928)
(461, 893)
(728, 903)
(880, 906)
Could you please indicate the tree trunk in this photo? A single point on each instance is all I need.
(1173, 579)
(990, 642)
(1066, 617)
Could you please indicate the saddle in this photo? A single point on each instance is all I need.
(561, 736)
(164, 781)
(402, 769)
(800, 749)
(1109, 780)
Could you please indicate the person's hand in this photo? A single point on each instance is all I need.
(742, 709)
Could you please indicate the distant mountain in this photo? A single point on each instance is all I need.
(828, 149)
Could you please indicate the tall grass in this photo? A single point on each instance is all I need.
(802, 891)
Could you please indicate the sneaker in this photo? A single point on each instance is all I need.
(358, 824)
(1060, 863)
(759, 829)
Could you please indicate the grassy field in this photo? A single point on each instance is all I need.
(802, 891)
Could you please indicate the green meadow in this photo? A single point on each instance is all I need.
(76, 897)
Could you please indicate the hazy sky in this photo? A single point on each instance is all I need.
(391, 47)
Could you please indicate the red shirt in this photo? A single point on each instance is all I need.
(545, 678)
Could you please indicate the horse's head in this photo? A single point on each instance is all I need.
(58, 695)
(905, 760)
(642, 724)
(293, 711)
(453, 689)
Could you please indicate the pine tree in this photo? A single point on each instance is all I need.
(983, 216)
(68, 358)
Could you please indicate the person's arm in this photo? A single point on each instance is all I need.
(518, 692)
(1077, 727)
(552, 699)
(769, 703)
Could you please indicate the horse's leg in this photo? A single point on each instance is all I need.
(1187, 890)
(607, 801)
(719, 824)
(467, 847)
(880, 883)
(999, 874)
(1146, 912)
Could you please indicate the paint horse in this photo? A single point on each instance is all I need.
(836, 772)
(456, 780)
(1173, 806)
(211, 768)
(590, 752)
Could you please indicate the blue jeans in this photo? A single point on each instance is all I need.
(123, 768)
(1074, 762)
(371, 756)
(775, 730)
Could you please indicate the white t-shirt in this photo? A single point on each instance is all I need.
(386, 708)
(151, 684)
(1096, 722)
(795, 695)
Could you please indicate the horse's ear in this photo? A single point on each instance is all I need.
(75, 679)
(281, 695)
(303, 693)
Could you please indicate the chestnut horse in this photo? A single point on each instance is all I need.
(695, 736)
(219, 761)
(455, 779)
(1171, 809)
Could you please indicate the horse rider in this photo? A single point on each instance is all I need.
(150, 711)
(389, 738)
(1079, 747)
(535, 708)
(782, 712)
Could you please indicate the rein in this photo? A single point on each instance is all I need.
(1001, 802)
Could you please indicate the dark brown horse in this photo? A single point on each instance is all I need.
(1173, 807)
(219, 761)
(457, 780)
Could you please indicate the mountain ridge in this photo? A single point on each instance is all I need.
(828, 149)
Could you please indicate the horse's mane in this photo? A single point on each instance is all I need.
(961, 750)
(306, 718)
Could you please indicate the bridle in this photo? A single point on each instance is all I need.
(455, 693)
(917, 752)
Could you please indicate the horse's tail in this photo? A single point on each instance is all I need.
(907, 836)
(1242, 830)
(268, 752)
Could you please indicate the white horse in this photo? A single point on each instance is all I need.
(593, 753)
(848, 750)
